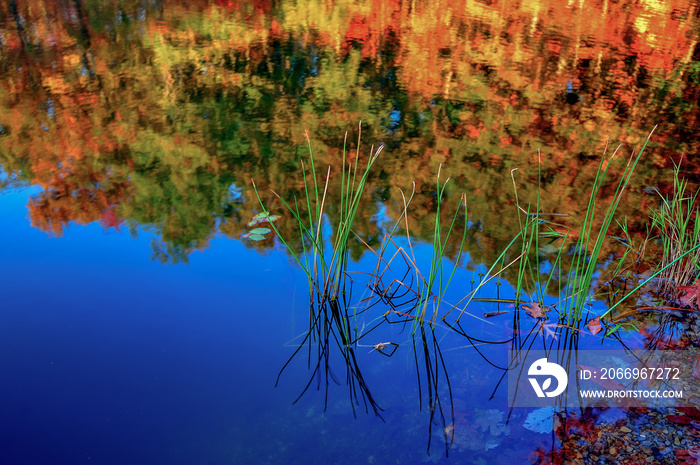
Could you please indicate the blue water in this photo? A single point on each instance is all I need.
(109, 357)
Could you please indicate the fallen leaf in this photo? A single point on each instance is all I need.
(594, 325)
(540, 420)
(690, 293)
(696, 368)
(694, 452)
(692, 412)
(690, 416)
(491, 421)
(680, 419)
(685, 456)
(535, 310)
(261, 218)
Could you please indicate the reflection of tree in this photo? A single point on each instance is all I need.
(150, 113)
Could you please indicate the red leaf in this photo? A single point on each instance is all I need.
(594, 326)
(680, 419)
(692, 412)
(694, 452)
(690, 293)
(535, 311)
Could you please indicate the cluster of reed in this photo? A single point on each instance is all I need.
(416, 297)
(325, 261)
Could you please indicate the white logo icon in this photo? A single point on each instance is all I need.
(542, 367)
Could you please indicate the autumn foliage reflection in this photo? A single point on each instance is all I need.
(156, 114)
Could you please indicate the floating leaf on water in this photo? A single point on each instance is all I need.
(540, 420)
(257, 234)
(535, 310)
(260, 231)
(261, 218)
(594, 325)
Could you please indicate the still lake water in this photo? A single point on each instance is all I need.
(138, 325)
(119, 359)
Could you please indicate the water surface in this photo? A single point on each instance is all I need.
(139, 326)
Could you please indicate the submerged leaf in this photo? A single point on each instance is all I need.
(540, 420)
(694, 452)
(549, 249)
(691, 293)
(256, 237)
(491, 421)
(551, 330)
